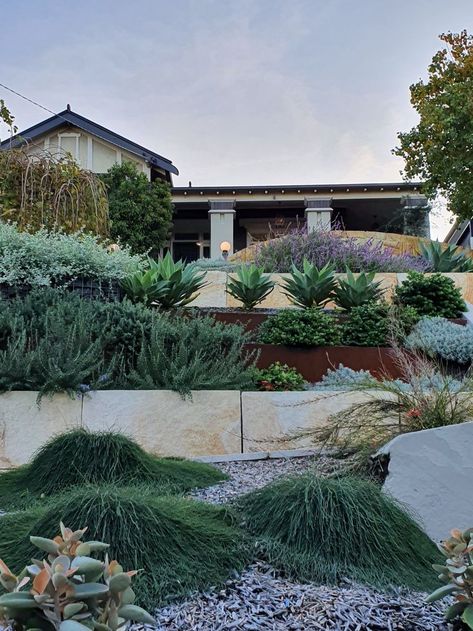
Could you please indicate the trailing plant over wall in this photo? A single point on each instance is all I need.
(55, 193)
(431, 295)
(53, 341)
(56, 259)
(443, 339)
(310, 327)
(192, 354)
(140, 210)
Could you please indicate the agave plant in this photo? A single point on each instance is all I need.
(69, 591)
(311, 287)
(251, 286)
(166, 283)
(457, 574)
(445, 258)
(357, 291)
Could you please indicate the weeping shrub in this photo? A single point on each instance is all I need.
(182, 545)
(82, 457)
(324, 529)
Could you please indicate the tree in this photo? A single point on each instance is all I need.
(7, 117)
(140, 210)
(439, 149)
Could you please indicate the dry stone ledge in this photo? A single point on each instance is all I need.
(431, 472)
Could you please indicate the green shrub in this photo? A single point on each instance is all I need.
(52, 341)
(375, 324)
(357, 291)
(180, 544)
(140, 210)
(166, 283)
(46, 259)
(445, 258)
(279, 377)
(250, 286)
(325, 529)
(311, 287)
(432, 295)
(309, 327)
(192, 354)
(82, 457)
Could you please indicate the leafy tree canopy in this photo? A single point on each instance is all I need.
(140, 210)
(7, 117)
(439, 150)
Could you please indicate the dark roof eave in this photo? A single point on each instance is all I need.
(71, 118)
(309, 189)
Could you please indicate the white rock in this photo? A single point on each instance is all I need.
(431, 472)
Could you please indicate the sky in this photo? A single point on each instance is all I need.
(234, 92)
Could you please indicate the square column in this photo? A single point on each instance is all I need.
(221, 216)
(318, 212)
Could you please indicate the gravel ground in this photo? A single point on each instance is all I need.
(260, 599)
(245, 476)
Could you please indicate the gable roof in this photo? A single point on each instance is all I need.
(68, 117)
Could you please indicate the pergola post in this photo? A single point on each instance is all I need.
(221, 216)
(318, 212)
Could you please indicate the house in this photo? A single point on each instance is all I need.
(93, 146)
(210, 219)
(461, 233)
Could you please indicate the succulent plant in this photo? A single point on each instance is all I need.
(445, 258)
(165, 282)
(69, 590)
(311, 287)
(357, 291)
(250, 286)
(457, 574)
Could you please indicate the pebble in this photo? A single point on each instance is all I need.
(261, 599)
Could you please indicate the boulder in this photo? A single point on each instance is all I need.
(431, 473)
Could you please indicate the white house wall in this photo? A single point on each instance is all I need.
(89, 151)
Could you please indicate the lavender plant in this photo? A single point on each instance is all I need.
(322, 248)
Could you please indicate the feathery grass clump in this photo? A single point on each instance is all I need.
(82, 457)
(181, 544)
(324, 529)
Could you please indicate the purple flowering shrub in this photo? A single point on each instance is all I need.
(321, 248)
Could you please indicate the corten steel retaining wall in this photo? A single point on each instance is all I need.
(212, 423)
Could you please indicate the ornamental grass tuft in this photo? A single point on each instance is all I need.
(82, 457)
(325, 529)
(180, 544)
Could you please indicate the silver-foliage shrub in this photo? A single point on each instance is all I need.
(344, 378)
(47, 259)
(441, 338)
